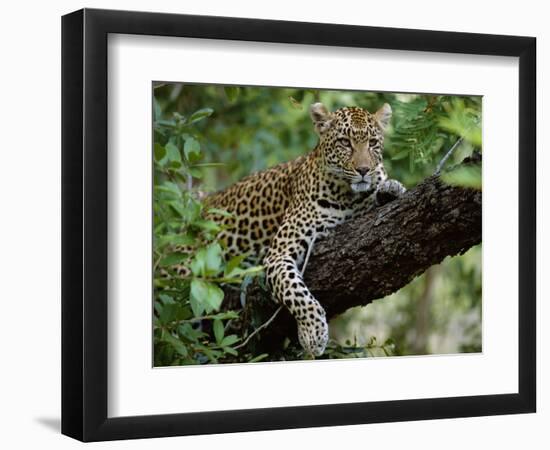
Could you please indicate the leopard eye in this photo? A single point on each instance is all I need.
(344, 142)
(373, 143)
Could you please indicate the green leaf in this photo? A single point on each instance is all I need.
(178, 117)
(174, 165)
(259, 358)
(158, 308)
(172, 153)
(401, 155)
(199, 289)
(195, 172)
(295, 103)
(207, 295)
(192, 211)
(239, 273)
(215, 298)
(212, 355)
(218, 331)
(166, 123)
(173, 259)
(213, 259)
(176, 343)
(200, 114)
(169, 187)
(208, 225)
(231, 351)
(229, 340)
(198, 264)
(176, 239)
(233, 264)
(160, 152)
(166, 299)
(465, 176)
(254, 270)
(178, 209)
(221, 212)
(191, 147)
(231, 92)
(190, 334)
(156, 109)
(198, 293)
(463, 121)
(226, 315)
(168, 313)
(474, 137)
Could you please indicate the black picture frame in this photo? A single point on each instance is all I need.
(84, 224)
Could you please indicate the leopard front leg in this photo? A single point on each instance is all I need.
(284, 278)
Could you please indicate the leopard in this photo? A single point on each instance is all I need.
(277, 214)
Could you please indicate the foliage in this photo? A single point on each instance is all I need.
(208, 137)
(188, 325)
(466, 176)
(350, 349)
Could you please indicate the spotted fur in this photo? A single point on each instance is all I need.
(279, 212)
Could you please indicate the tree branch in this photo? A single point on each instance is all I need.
(373, 256)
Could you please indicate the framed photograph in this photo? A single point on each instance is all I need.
(274, 225)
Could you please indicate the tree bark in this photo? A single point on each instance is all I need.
(373, 256)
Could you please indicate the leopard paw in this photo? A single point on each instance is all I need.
(313, 335)
(389, 190)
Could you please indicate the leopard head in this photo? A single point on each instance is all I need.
(351, 140)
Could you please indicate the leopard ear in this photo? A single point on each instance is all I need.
(383, 116)
(321, 118)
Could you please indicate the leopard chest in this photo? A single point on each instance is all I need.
(335, 198)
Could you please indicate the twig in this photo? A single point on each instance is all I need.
(447, 155)
(278, 310)
(157, 262)
(310, 247)
(261, 327)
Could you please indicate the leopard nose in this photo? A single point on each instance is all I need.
(362, 170)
